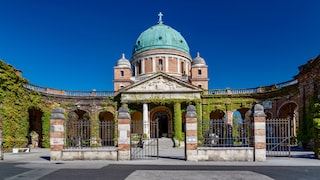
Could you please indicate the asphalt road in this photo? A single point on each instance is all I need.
(152, 172)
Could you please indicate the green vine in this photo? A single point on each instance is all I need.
(178, 122)
(15, 102)
(316, 129)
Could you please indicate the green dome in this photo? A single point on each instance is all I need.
(160, 36)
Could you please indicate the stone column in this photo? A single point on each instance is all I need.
(143, 66)
(259, 133)
(57, 133)
(191, 134)
(167, 64)
(154, 65)
(146, 120)
(123, 134)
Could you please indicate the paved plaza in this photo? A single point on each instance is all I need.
(170, 165)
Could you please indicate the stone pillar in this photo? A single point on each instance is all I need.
(123, 134)
(146, 120)
(57, 133)
(167, 64)
(143, 67)
(259, 133)
(154, 65)
(191, 134)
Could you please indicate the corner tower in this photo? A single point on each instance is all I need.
(122, 74)
(199, 72)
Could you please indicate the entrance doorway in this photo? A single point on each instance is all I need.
(162, 119)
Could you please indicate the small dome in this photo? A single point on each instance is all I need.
(123, 62)
(160, 36)
(198, 60)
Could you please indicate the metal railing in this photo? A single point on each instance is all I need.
(217, 133)
(252, 90)
(68, 92)
(209, 92)
(79, 134)
(278, 137)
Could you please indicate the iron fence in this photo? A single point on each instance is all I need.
(143, 147)
(217, 133)
(278, 137)
(83, 133)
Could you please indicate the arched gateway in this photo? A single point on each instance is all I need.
(163, 117)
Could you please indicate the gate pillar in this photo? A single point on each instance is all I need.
(259, 133)
(123, 133)
(191, 134)
(57, 133)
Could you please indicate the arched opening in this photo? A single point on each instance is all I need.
(106, 128)
(79, 129)
(243, 112)
(217, 114)
(239, 129)
(162, 118)
(289, 110)
(162, 115)
(35, 127)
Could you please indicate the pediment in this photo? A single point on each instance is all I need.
(161, 83)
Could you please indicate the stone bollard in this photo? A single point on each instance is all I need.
(124, 134)
(259, 133)
(191, 134)
(57, 134)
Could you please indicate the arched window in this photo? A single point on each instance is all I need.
(160, 65)
(199, 72)
(122, 73)
(182, 68)
(139, 67)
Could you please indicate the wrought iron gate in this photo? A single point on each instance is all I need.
(143, 147)
(278, 137)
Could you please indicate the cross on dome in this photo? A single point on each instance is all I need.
(160, 18)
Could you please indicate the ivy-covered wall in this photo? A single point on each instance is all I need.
(316, 130)
(15, 101)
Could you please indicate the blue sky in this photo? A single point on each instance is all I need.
(74, 44)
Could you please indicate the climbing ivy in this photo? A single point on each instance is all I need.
(316, 129)
(178, 122)
(305, 131)
(15, 101)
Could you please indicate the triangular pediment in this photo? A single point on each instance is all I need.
(161, 82)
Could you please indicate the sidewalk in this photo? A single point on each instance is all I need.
(41, 157)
